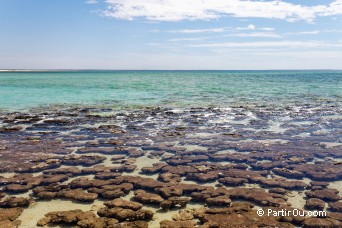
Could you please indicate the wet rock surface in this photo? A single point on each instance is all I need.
(8, 217)
(325, 194)
(13, 201)
(336, 206)
(124, 204)
(148, 198)
(123, 214)
(321, 222)
(314, 203)
(76, 217)
(177, 224)
(201, 167)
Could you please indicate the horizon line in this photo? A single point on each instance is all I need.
(64, 70)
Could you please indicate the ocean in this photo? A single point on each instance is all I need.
(133, 89)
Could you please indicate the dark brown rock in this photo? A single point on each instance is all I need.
(13, 201)
(123, 168)
(180, 169)
(112, 194)
(47, 195)
(231, 181)
(85, 160)
(134, 224)
(156, 167)
(257, 195)
(288, 173)
(177, 224)
(174, 202)
(321, 222)
(145, 197)
(169, 191)
(82, 219)
(218, 201)
(18, 188)
(238, 215)
(314, 203)
(87, 183)
(107, 176)
(319, 183)
(335, 215)
(122, 214)
(123, 204)
(325, 194)
(49, 179)
(140, 182)
(50, 188)
(97, 222)
(280, 191)
(77, 194)
(40, 166)
(282, 183)
(7, 224)
(69, 171)
(169, 177)
(10, 213)
(203, 177)
(336, 206)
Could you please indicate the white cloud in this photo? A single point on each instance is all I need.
(257, 34)
(309, 32)
(314, 32)
(91, 1)
(192, 31)
(187, 39)
(333, 30)
(178, 10)
(267, 29)
(267, 44)
(249, 27)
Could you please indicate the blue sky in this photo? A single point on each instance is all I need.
(170, 34)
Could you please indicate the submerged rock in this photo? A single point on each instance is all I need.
(173, 202)
(84, 160)
(148, 198)
(76, 217)
(336, 206)
(324, 194)
(10, 214)
(123, 214)
(123, 204)
(177, 224)
(321, 222)
(77, 194)
(314, 203)
(238, 215)
(13, 201)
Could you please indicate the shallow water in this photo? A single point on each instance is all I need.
(25, 90)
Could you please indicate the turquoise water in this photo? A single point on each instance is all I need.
(26, 90)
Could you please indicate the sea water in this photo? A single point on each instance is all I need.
(132, 89)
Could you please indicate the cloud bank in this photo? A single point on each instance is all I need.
(266, 44)
(179, 10)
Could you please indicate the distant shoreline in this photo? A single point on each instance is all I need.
(114, 70)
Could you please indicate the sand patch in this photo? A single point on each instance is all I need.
(337, 185)
(296, 199)
(8, 175)
(31, 215)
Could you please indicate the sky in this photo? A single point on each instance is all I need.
(171, 34)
